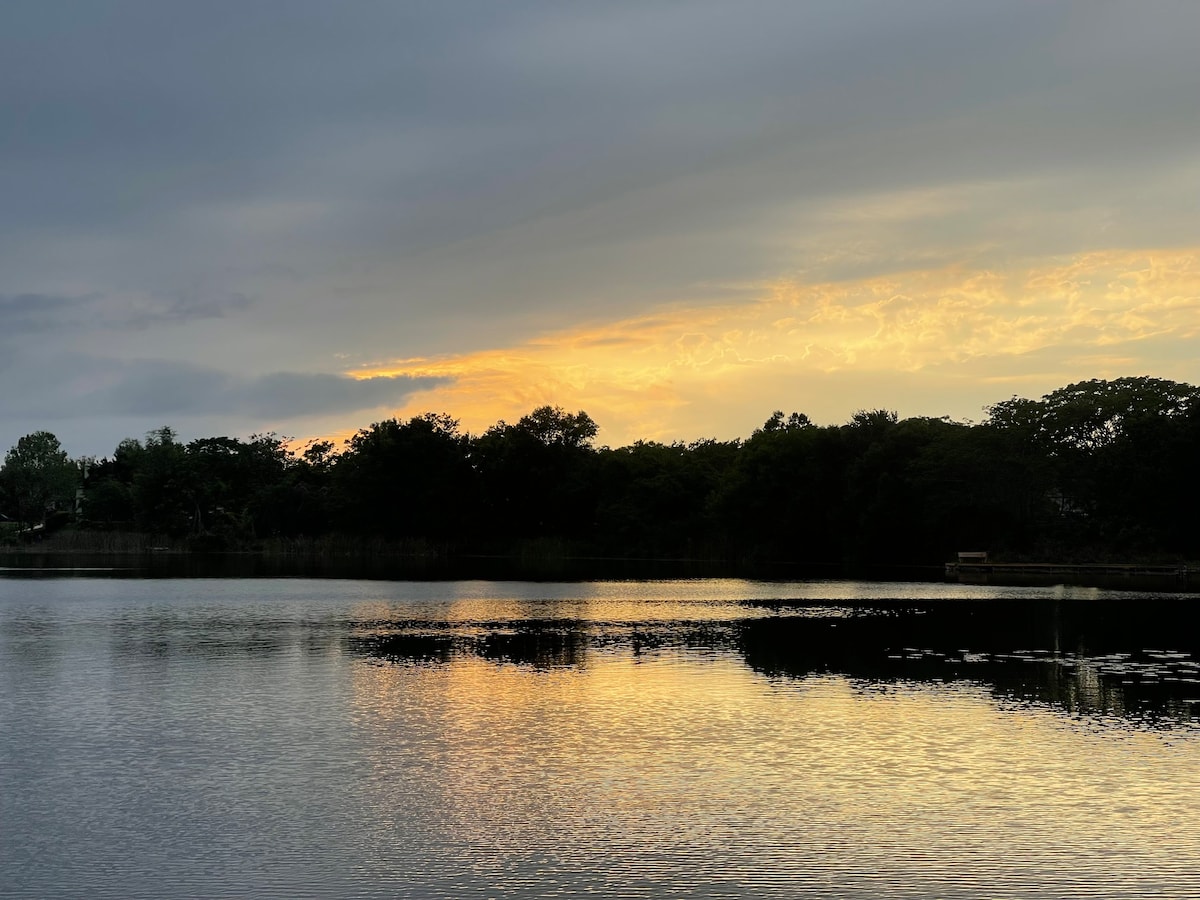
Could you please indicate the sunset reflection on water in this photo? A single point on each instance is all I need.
(317, 738)
(680, 762)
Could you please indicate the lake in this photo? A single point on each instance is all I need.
(307, 737)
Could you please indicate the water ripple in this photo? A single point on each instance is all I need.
(334, 739)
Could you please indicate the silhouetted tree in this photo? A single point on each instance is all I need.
(784, 491)
(164, 496)
(1089, 470)
(1094, 461)
(238, 487)
(655, 499)
(37, 476)
(538, 476)
(406, 479)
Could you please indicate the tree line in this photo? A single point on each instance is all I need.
(1094, 470)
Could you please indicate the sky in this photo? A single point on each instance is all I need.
(305, 217)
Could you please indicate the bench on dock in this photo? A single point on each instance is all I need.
(972, 556)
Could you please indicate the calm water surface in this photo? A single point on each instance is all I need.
(694, 738)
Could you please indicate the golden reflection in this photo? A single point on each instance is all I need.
(693, 750)
(682, 370)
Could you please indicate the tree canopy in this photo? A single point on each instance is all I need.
(37, 477)
(1092, 470)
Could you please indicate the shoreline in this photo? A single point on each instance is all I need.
(409, 563)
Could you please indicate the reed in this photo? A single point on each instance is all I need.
(70, 540)
(350, 546)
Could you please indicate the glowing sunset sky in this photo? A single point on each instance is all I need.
(232, 217)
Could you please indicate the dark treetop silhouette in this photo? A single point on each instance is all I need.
(1098, 469)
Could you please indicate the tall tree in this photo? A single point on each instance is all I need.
(406, 479)
(37, 476)
(537, 476)
(164, 493)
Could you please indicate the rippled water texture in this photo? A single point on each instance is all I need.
(706, 738)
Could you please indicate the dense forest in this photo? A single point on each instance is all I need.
(1095, 470)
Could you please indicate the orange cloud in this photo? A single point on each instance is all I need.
(686, 371)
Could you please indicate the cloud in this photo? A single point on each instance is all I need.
(32, 313)
(187, 305)
(938, 335)
(642, 205)
(161, 390)
(25, 314)
(293, 395)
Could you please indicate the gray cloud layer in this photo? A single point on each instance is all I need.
(24, 314)
(248, 187)
(158, 389)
